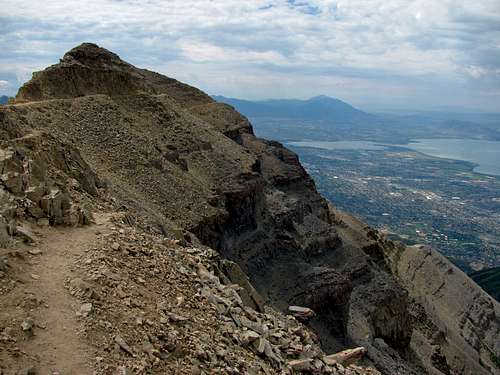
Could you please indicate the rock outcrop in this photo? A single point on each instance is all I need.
(38, 172)
(180, 164)
(455, 316)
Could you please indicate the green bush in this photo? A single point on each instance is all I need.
(495, 359)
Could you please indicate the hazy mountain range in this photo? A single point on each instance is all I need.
(320, 107)
(326, 118)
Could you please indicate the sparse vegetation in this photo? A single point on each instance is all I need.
(495, 359)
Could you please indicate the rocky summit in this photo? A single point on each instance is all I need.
(146, 230)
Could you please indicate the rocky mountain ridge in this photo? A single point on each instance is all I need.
(177, 164)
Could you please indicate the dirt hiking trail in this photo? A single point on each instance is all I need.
(52, 342)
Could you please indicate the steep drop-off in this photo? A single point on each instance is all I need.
(177, 161)
(489, 279)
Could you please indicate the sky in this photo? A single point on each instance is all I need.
(375, 54)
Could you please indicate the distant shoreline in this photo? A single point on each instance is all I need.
(484, 159)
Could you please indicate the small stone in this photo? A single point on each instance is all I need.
(78, 284)
(115, 246)
(85, 309)
(259, 328)
(25, 234)
(27, 325)
(176, 318)
(123, 345)
(260, 345)
(268, 351)
(300, 364)
(250, 336)
(35, 277)
(35, 251)
(3, 265)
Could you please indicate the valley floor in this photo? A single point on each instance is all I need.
(415, 198)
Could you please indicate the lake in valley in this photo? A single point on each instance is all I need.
(486, 154)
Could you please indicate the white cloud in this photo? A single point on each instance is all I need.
(200, 51)
(393, 43)
(476, 71)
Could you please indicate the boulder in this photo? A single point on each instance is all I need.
(248, 294)
(301, 313)
(345, 357)
(25, 234)
(301, 364)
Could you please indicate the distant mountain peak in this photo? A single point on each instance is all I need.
(322, 98)
(320, 107)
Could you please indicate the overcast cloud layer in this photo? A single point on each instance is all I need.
(372, 53)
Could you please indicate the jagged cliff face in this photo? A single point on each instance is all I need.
(178, 160)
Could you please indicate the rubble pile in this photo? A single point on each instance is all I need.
(153, 305)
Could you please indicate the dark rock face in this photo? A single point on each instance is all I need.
(37, 174)
(177, 159)
(322, 287)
